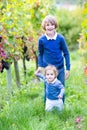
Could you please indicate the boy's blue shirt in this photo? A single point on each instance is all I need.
(53, 90)
(53, 52)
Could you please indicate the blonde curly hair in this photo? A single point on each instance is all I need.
(53, 68)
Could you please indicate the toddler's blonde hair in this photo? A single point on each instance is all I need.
(49, 19)
(53, 68)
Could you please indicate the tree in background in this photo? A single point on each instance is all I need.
(21, 19)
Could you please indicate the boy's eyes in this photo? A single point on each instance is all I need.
(49, 24)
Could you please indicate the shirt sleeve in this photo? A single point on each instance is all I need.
(62, 92)
(40, 53)
(41, 76)
(61, 87)
(65, 53)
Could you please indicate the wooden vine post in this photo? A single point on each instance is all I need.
(9, 80)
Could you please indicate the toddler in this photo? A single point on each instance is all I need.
(54, 88)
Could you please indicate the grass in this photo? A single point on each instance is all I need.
(25, 109)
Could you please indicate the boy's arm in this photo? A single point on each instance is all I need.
(40, 53)
(67, 56)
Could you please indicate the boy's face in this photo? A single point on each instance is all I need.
(50, 75)
(49, 27)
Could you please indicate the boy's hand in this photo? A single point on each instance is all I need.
(67, 74)
(39, 70)
(35, 73)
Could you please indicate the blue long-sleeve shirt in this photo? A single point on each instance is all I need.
(53, 52)
(54, 89)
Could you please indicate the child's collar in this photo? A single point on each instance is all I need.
(54, 38)
(53, 81)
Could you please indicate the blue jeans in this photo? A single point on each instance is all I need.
(61, 77)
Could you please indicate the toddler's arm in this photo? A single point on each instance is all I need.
(62, 90)
(60, 96)
(40, 75)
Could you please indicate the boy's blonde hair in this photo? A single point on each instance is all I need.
(53, 68)
(51, 19)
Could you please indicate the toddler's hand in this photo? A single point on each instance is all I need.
(59, 97)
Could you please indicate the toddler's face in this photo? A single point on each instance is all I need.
(50, 75)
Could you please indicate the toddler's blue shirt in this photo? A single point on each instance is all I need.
(52, 89)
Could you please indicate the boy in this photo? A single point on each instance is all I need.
(53, 49)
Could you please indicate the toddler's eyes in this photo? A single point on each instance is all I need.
(49, 74)
(52, 24)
